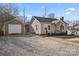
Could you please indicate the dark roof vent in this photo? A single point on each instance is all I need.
(62, 18)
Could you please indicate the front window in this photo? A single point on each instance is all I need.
(45, 28)
(48, 27)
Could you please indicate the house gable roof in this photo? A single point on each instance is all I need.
(13, 21)
(46, 20)
(43, 19)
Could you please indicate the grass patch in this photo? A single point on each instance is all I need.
(75, 41)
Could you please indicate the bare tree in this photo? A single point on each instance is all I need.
(8, 11)
(13, 9)
(69, 22)
(75, 22)
(10, 8)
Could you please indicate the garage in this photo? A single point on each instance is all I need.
(14, 29)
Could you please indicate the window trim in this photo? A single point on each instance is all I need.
(48, 27)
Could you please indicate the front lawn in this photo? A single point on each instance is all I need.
(75, 41)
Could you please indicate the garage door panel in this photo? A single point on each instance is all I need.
(14, 28)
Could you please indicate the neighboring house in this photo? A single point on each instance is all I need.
(41, 25)
(76, 27)
(70, 30)
(13, 26)
(73, 30)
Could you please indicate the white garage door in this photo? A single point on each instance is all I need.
(14, 28)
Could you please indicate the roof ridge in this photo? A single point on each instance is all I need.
(45, 19)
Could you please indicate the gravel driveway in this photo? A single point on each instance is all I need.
(36, 46)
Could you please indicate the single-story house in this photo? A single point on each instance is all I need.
(12, 26)
(43, 25)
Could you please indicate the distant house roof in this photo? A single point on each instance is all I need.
(72, 28)
(44, 19)
(75, 25)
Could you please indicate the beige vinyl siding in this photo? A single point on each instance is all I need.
(39, 27)
(45, 25)
(58, 30)
(36, 27)
(53, 28)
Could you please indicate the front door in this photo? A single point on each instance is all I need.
(61, 28)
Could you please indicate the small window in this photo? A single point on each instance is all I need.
(45, 28)
(48, 27)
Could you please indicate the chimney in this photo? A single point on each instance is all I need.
(62, 18)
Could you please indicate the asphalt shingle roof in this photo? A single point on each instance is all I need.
(43, 19)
